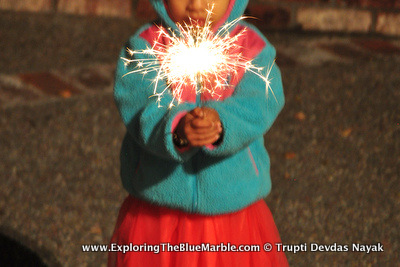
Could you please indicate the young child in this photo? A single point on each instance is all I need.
(197, 175)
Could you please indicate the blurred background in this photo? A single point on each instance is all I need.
(366, 16)
(334, 148)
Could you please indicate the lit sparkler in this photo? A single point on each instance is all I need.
(198, 59)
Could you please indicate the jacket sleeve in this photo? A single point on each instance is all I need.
(148, 124)
(252, 109)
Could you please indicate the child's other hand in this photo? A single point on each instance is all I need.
(211, 115)
(200, 127)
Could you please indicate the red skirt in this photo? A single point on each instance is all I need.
(149, 235)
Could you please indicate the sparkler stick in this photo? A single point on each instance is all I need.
(198, 58)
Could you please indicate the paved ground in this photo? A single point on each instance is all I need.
(334, 148)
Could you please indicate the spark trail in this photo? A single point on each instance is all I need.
(198, 58)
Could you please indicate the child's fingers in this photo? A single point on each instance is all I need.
(197, 112)
(204, 140)
(203, 131)
(206, 135)
(196, 139)
(196, 135)
(202, 123)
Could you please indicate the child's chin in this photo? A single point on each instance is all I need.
(201, 22)
(197, 22)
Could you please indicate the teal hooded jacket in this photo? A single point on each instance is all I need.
(206, 180)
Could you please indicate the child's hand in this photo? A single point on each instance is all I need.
(200, 127)
(209, 114)
(203, 117)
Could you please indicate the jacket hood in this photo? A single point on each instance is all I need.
(235, 10)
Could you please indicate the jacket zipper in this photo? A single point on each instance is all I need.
(194, 181)
(195, 195)
(252, 160)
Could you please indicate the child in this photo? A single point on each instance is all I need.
(197, 175)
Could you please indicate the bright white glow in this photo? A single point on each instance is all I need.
(198, 58)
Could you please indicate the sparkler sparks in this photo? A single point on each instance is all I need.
(198, 59)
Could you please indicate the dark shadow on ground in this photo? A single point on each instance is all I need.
(16, 250)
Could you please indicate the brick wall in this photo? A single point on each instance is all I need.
(361, 16)
(120, 8)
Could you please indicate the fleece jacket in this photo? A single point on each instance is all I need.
(206, 180)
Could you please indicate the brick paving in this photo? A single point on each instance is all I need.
(344, 50)
(11, 93)
(49, 84)
(378, 46)
(26, 88)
